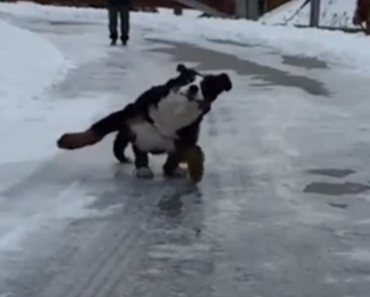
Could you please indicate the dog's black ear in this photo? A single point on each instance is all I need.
(181, 68)
(225, 81)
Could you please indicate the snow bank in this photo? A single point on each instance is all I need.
(60, 13)
(29, 65)
(333, 13)
(337, 47)
(64, 13)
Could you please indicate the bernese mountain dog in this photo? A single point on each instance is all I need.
(163, 120)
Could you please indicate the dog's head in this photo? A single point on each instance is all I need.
(190, 96)
(203, 89)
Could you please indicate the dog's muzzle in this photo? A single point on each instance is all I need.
(192, 94)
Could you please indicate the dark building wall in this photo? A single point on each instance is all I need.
(272, 4)
(226, 6)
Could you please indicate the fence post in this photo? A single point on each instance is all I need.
(315, 13)
(241, 8)
(252, 9)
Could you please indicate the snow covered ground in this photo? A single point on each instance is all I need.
(29, 66)
(333, 13)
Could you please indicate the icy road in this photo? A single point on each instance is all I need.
(283, 210)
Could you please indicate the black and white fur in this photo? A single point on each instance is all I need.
(165, 119)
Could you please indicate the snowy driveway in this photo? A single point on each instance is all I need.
(283, 209)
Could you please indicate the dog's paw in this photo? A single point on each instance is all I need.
(144, 172)
(179, 172)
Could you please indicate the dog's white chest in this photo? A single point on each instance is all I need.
(148, 138)
(174, 113)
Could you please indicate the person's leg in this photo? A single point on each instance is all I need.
(124, 12)
(113, 23)
(367, 20)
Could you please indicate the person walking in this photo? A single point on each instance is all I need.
(121, 8)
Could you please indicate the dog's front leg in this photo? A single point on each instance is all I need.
(142, 163)
(193, 156)
(171, 166)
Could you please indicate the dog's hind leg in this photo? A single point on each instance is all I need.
(142, 163)
(119, 145)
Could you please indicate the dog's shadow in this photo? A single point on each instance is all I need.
(168, 193)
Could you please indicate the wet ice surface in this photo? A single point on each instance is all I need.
(249, 230)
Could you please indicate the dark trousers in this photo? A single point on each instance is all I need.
(124, 14)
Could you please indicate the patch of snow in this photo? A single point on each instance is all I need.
(39, 222)
(29, 66)
(76, 14)
(30, 122)
(54, 13)
(329, 279)
(174, 251)
(16, 227)
(361, 255)
(336, 47)
(363, 222)
(333, 13)
(35, 127)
